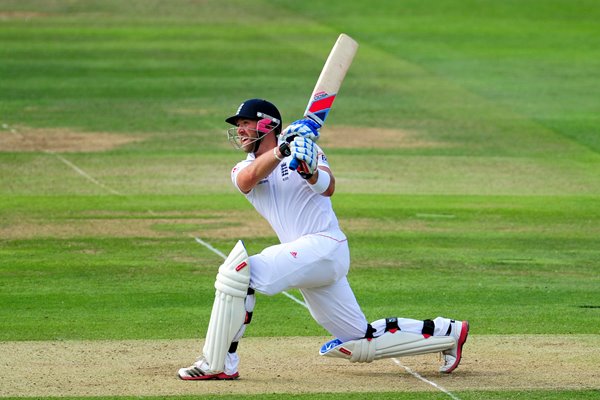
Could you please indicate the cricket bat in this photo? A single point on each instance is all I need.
(330, 80)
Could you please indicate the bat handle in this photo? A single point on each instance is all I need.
(294, 163)
(301, 168)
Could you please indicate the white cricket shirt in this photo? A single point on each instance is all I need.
(286, 201)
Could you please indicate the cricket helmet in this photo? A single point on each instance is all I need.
(256, 109)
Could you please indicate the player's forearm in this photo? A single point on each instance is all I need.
(260, 168)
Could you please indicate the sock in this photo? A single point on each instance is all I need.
(232, 361)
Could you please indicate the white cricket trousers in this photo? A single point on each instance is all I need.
(317, 265)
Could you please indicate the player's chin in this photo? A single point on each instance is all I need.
(248, 147)
(245, 144)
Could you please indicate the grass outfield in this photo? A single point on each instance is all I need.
(464, 141)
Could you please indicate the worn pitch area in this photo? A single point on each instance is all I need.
(291, 365)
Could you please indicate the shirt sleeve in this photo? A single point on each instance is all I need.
(321, 157)
(236, 170)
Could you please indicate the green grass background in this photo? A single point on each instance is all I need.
(499, 224)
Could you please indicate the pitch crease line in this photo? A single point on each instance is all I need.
(419, 377)
(83, 173)
(211, 248)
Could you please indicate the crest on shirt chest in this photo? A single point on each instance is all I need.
(285, 172)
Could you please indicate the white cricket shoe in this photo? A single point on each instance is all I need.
(460, 331)
(198, 372)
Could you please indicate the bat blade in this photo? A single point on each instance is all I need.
(331, 78)
(329, 83)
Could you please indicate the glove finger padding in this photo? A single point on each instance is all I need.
(306, 128)
(303, 149)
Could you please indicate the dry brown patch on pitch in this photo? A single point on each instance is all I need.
(233, 224)
(213, 224)
(344, 137)
(23, 139)
(11, 15)
(71, 228)
(292, 365)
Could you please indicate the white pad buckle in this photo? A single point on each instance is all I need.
(388, 345)
(228, 312)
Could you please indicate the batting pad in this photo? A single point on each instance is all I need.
(228, 312)
(388, 345)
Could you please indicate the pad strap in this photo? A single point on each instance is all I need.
(391, 325)
(249, 304)
(249, 307)
(428, 328)
(370, 332)
(233, 347)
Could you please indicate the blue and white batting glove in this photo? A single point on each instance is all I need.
(306, 128)
(304, 156)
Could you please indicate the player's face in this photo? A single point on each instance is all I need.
(244, 135)
(247, 133)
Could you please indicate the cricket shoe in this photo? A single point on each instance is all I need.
(198, 372)
(451, 357)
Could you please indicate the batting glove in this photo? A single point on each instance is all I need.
(306, 128)
(304, 156)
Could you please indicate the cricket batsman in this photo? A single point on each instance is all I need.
(312, 256)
